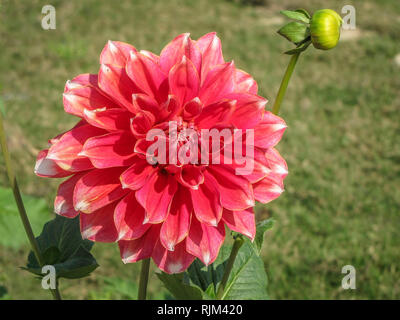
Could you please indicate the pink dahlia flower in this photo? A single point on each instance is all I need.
(173, 211)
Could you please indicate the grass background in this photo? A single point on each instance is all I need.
(342, 199)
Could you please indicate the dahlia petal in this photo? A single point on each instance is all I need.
(219, 112)
(249, 110)
(108, 119)
(245, 83)
(276, 163)
(191, 177)
(98, 188)
(184, 80)
(99, 225)
(192, 108)
(156, 196)
(143, 102)
(176, 227)
(181, 46)
(114, 81)
(205, 241)
(65, 152)
(137, 174)
(49, 168)
(141, 248)
(206, 201)
(110, 150)
(172, 262)
(211, 50)
(145, 73)
(268, 189)
(128, 218)
(220, 81)
(81, 98)
(235, 191)
(170, 108)
(82, 80)
(241, 221)
(63, 203)
(151, 55)
(269, 131)
(142, 123)
(116, 53)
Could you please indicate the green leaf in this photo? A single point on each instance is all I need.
(62, 246)
(261, 228)
(247, 280)
(299, 48)
(304, 12)
(295, 32)
(181, 289)
(299, 14)
(11, 229)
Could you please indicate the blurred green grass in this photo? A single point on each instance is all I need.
(342, 199)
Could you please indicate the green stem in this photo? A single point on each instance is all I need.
(144, 278)
(235, 249)
(284, 83)
(18, 199)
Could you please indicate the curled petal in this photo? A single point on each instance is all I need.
(241, 221)
(269, 131)
(191, 177)
(176, 227)
(142, 123)
(110, 150)
(82, 80)
(49, 168)
(205, 241)
(137, 174)
(63, 203)
(245, 83)
(108, 119)
(97, 189)
(141, 248)
(192, 108)
(156, 196)
(206, 201)
(211, 50)
(128, 218)
(276, 163)
(172, 261)
(116, 52)
(99, 225)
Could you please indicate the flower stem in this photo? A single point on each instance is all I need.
(144, 279)
(284, 83)
(18, 199)
(235, 249)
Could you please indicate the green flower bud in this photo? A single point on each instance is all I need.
(325, 29)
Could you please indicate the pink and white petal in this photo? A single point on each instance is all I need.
(268, 189)
(249, 110)
(181, 46)
(206, 201)
(45, 167)
(145, 73)
(141, 248)
(276, 163)
(220, 81)
(128, 218)
(236, 192)
(114, 81)
(215, 113)
(116, 53)
(63, 203)
(156, 196)
(65, 151)
(211, 50)
(82, 80)
(172, 262)
(108, 119)
(137, 174)
(184, 81)
(241, 221)
(245, 83)
(81, 98)
(176, 227)
(269, 131)
(97, 189)
(205, 241)
(110, 150)
(99, 225)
